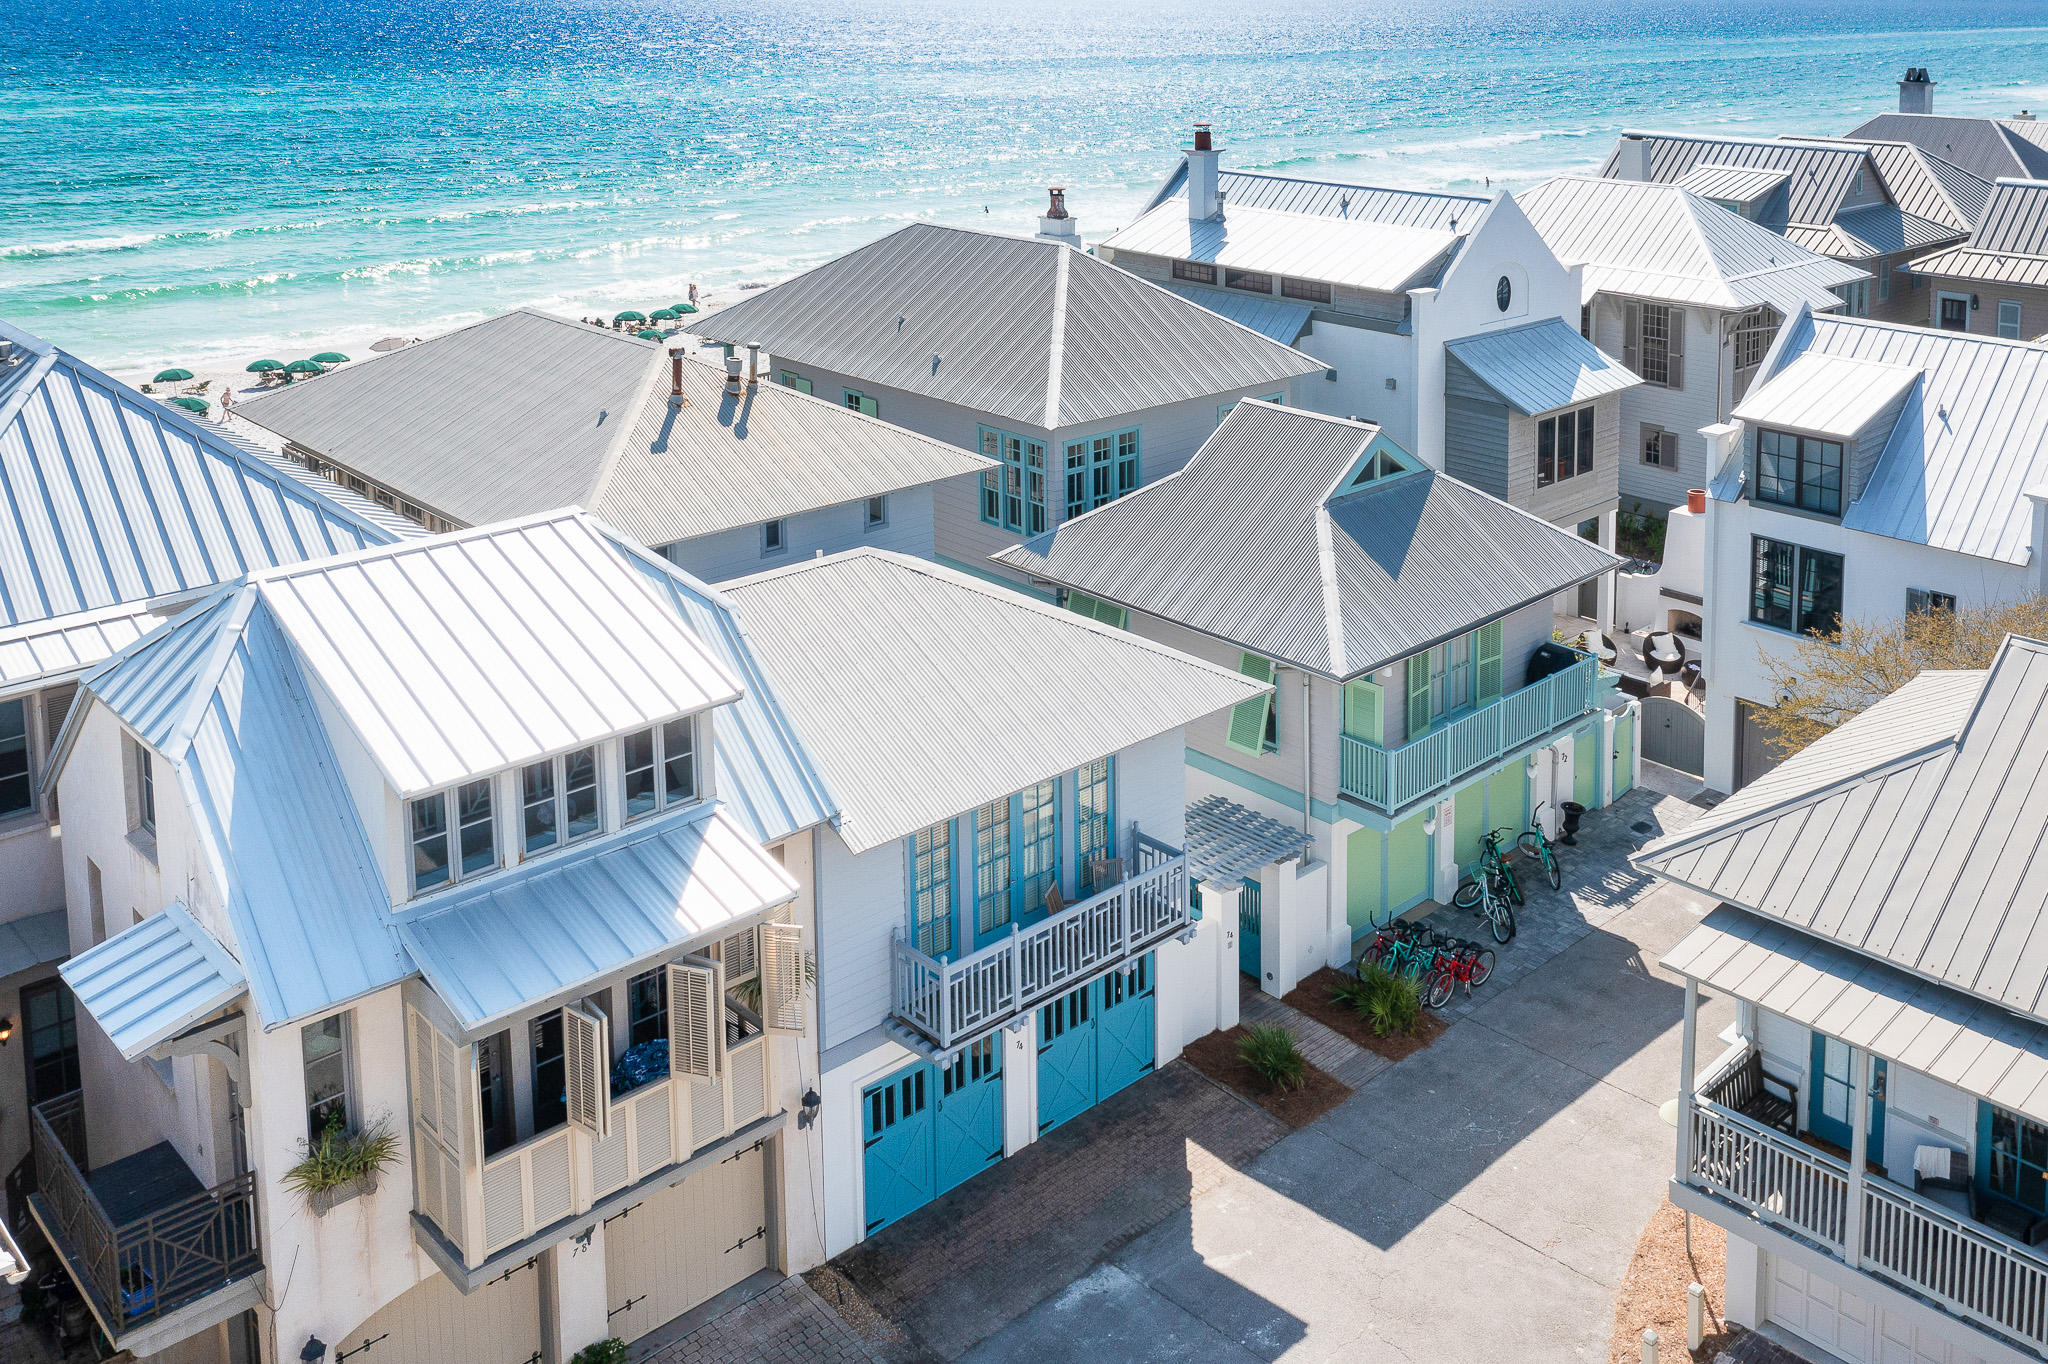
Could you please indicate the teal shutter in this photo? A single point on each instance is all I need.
(1248, 718)
(1107, 612)
(1486, 657)
(1418, 695)
(1363, 710)
(868, 406)
(796, 381)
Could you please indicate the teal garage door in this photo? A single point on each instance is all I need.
(1093, 1041)
(928, 1129)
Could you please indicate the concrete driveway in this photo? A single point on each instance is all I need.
(1479, 1200)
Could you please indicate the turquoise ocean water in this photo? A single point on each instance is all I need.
(204, 181)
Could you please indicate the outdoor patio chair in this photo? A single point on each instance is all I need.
(1941, 1175)
(1105, 872)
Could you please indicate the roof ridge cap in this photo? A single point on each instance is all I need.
(1056, 356)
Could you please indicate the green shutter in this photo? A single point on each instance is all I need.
(1486, 656)
(1363, 710)
(796, 381)
(1109, 613)
(1082, 604)
(1248, 718)
(868, 407)
(1418, 695)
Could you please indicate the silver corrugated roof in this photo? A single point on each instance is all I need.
(1966, 446)
(1926, 860)
(1985, 267)
(1386, 257)
(1737, 184)
(1540, 366)
(1228, 843)
(1277, 318)
(1334, 199)
(1258, 542)
(1986, 147)
(32, 654)
(511, 942)
(1819, 174)
(875, 653)
(1019, 328)
(1929, 187)
(154, 979)
(2015, 220)
(462, 424)
(1970, 1043)
(1646, 240)
(1832, 394)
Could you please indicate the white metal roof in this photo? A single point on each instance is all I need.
(1655, 241)
(1227, 843)
(875, 654)
(2010, 245)
(33, 654)
(1388, 257)
(1833, 394)
(1542, 365)
(1959, 1040)
(1333, 198)
(1925, 859)
(154, 979)
(513, 942)
(33, 940)
(1280, 319)
(1737, 184)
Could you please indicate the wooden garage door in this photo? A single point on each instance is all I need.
(1754, 752)
(496, 1323)
(686, 1244)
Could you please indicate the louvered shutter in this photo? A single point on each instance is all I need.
(1364, 710)
(1418, 696)
(1248, 718)
(1632, 337)
(737, 955)
(696, 1031)
(1486, 642)
(56, 705)
(426, 1090)
(1677, 344)
(586, 1055)
(782, 978)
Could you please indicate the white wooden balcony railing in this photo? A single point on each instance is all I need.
(1389, 778)
(954, 1002)
(1968, 1270)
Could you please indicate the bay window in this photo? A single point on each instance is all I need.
(1013, 493)
(1564, 446)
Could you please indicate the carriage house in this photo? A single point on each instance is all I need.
(1405, 621)
(1873, 1136)
(426, 841)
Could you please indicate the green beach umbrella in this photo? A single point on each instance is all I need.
(648, 334)
(629, 316)
(684, 308)
(263, 366)
(663, 315)
(191, 404)
(171, 376)
(303, 367)
(331, 357)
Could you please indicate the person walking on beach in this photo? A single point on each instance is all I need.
(693, 295)
(227, 400)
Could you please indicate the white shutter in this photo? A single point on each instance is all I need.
(782, 977)
(696, 1022)
(586, 1054)
(426, 1091)
(738, 955)
(1677, 348)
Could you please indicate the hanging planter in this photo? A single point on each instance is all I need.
(339, 1165)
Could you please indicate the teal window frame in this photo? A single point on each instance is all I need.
(791, 379)
(1094, 818)
(860, 402)
(1225, 409)
(2025, 1170)
(1013, 493)
(932, 926)
(1101, 468)
(994, 868)
(1016, 856)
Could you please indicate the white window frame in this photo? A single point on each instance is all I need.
(1662, 378)
(345, 1022)
(451, 830)
(2017, 315)
(875, 512)
(658, 739)
(558, 766)
(141, 792)
(28, 706)
(774, 537)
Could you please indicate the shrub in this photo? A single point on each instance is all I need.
(338, 1157)
(610, 1350)
(1352, 991)
(1270, 1051)
(1391, 1005)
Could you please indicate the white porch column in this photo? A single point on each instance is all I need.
(1859, 1143)
(1609, 528)
(1221, 904)
(1446, 848)
(572, 1297)
(1019, 1042)
(1688, 1076)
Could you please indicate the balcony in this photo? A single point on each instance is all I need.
(952, 1003)
(1391, 779)
(150, 1248)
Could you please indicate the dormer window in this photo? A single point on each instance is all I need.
(660, 768)
(453, 835)
(558, 800)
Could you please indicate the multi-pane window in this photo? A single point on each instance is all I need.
(931, 889)
(558, 800)
(1094, 819)
(1799, 471)
(2009, 318)
(2015, 1161)
(323, 1048)
(145, 789)
(1450, 677)
(647, 1007)
(1586, 320)
(1564, 446)
(50, 1018)
(1795, 588)
(1660, 447)
(1013, 493)
(1307, 290)
(1194, 271)
(17, 791)
(1923, 601)
(550, 1100)
(1657, 343)
(453, 835)
(1251, 281)
(1753, 333)
(1101, 469)
(1855, 298)
(659, 767)
(862, 403)
(1038, 843)
(1016, 855)
(992, 870)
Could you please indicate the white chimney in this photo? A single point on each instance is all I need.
(2039, 568)
(1058, 224)
(753, 363)
(1205, 201)
(2023, 116)
(1916, 92)
(1632, 158)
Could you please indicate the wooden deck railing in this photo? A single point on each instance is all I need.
(1389, 778)
(952, 1002)
(138, 1270)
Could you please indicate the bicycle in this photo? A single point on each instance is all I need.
(1415, 952)
(1491, 900)
(1491, 863)
(1537, 844)
(1466, 963)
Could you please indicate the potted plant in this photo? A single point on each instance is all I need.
(338, 1164)
(610, 1350)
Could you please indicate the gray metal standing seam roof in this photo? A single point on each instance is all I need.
(527, 412)
(2010, 245)
(1334, 199)
(1281, 319)
(1986, 147)
(1541, 366)
(1256, 542)
(1020, 328)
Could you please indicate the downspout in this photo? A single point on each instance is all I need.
(1308, 748)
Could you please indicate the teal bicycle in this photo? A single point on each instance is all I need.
(1492, 867)
(1537, 844)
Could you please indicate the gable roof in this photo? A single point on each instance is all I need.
(527, 412)
(1360, 253)
(874, 653)
(1832, 394)
(1986, 147)
(1737, 184)
(1436, 209)
(1019, 328)
(1256, 541)
(1923, 857)
(1966, 446)
(2010, 245)
(115, 501)
(1656, 241)
(1540, 366)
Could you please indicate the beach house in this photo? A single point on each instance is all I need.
(1989, 148)
(1873, 468)
(527, 412)
(1689, 296)
(443, 1006)
(1076, 379)
(120, 511)
(1996, 282)
(1404, 620)
(1871, 1131)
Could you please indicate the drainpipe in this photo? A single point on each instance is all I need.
(1308, 749)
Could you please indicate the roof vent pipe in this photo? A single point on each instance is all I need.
(732, 376)
(753, 363)
(675, 371)
(1204, 200)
